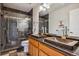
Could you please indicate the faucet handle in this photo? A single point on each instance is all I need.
(56, 30)
(71, 32)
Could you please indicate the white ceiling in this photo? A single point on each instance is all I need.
(28, 6)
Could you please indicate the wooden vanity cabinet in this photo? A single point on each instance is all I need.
(37, 48)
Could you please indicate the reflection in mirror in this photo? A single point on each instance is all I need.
(43, 17)
(16, 29)
(59, 18)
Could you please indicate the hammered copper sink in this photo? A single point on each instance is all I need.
(64, 43)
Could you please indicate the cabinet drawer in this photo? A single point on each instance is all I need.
(35, 51)
(34, 42)
(49, 51)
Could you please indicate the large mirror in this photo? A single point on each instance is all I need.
(44, 17)
(63, 19)
(16, 28)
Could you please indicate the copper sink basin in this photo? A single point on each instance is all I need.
(64, 43)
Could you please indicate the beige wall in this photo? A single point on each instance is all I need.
(36, 20)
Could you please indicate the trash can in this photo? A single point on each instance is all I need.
(25, 45)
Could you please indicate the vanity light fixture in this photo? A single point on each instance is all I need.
(44, 6)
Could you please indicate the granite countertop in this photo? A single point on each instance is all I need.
(67, 37)
(73, 38)
(72, 53)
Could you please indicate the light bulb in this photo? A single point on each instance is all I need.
(46, 5)
(42, 8)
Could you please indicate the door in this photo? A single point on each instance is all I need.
(74, 22)
(35, 51)
(12, 27)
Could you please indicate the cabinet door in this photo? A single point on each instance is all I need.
(41, 53)
(30, 49)
(35, 51)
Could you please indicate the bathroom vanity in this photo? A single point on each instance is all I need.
(47, 46)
